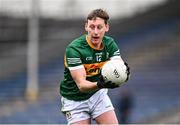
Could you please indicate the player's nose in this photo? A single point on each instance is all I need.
(96, 30)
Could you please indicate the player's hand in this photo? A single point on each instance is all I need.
(128, 71)
(102, 84)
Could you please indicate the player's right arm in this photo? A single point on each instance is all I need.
(79, 76)
(74, 63)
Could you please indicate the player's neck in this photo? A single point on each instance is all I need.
(95, 45)
(98, 45)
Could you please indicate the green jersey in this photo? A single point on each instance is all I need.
(81, 53)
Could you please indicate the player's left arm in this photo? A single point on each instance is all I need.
(114, 52)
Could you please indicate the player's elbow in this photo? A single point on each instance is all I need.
(82, 86)
(81, 89)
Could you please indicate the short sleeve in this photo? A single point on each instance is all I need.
(73, 58)
(113, 49)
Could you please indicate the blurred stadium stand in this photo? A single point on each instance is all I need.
(148, 41)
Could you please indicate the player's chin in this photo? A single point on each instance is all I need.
(95, 41)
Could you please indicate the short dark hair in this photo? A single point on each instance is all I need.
(98, 13)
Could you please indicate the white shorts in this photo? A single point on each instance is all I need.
(96, 105)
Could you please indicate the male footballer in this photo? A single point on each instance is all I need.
(83, 90)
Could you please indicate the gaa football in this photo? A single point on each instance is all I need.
(115, 71)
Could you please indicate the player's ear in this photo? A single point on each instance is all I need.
(85, 26)
(107, 27)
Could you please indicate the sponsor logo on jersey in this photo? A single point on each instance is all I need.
(93, 69)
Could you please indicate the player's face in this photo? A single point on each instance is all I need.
(96, 29)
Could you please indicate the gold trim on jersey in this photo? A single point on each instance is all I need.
(91, 45)
(93, 69)
(65, 62)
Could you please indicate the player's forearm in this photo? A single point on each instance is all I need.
(85, 86)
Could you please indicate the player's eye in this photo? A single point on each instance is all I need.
(100, 27)
(92, 27)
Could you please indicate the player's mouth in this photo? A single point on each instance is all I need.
(95, 38)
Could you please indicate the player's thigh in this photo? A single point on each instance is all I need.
(103, 111)
(101, 105)
(85, 122)
(108, 117)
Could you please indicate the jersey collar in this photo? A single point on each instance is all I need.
(91, 45)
